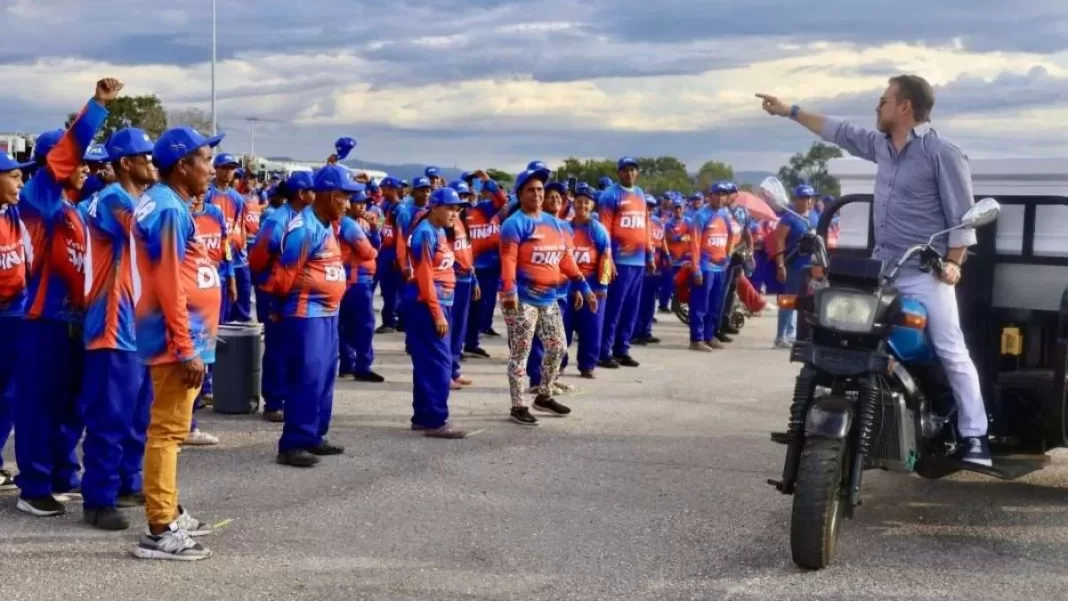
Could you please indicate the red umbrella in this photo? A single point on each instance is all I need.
(755, 205)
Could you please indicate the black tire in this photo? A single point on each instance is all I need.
(737, 320)
(681, 310)
(818, 508)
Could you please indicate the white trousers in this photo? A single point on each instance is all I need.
(943, 325)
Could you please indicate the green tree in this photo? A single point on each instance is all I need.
(144, 112)
(502, 177)
(657, 174)
(811, 167)
(713, 171)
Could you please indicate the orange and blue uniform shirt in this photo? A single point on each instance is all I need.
(177, 311)
(55, 285)
(483, 224)
(536, 259)
(388, 231)
(268, 244)
(461, 249)
(232, 204)
(434, 275)
(357, 252)
(677, 237)
(213, 235)
(252, 219)
(710, 238)
(407, 217)
(12, 263)
(657, 233)
(593, 254)
(112, 282)
(624, 214)
(309, 277)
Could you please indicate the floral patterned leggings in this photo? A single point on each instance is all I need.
(523, 323)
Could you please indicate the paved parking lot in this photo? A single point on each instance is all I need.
(653, 489)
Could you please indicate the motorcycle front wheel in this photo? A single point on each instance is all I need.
(818, 503)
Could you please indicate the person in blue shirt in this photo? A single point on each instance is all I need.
(789, 261)
(643, 331)
(554, 195)
(593, 254)
(710, 243)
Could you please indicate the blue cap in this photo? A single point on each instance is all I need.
(226, 160)
(389, 182)
(697, 196)
(344, 146)
(678, 202)
(650, 200)
(536, 165)
(360, 196)
(585, 190)
(300, 180)
(558, 186)
(45, 143)
(335, 178)
(444, 197)
(530, 174)
(432, 172)
(9, 164)
(625, 162)
(420, 182)
(96, 154)
(178, 143)
(731, 186)
(804, 191)
(604, 182)
(128, 142)
(461, 187)
(372, 186)
(404, 183)
(720, 187)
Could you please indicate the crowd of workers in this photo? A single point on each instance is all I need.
(120, 260)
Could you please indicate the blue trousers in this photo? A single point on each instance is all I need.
(390, 279)
(431, 367)
(647, 306)
(667, 286)
(537, 349)
(241, 310)
(706, 305)
(588, 324)
(489, 280)
(48, 376)
(309, 347)
(787, 322)
(263, 305)
(621, 314)
(273, 372)
(9, 347)
(357, 323)
(461, 309)
(115, 403)
(225, 306)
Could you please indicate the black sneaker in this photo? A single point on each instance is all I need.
(108, 518)
(369, 377)
(608, 363)
(491, 332)
(655, 320)
(587, 373)
(478, 352)
(7, 481)
(977, 450)
(730, 330)
(550, 405)
(326, 449)
(522, 416)
(297, 458)
(640, 340)
(652, 340)
(43, 508)
(627, 361)
(136, 499)
(384, 330)
(723, 337)
(663, 310)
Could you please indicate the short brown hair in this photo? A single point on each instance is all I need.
(918, 92)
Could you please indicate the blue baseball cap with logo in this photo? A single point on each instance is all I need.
(625, 162)
(344, 146)
(804, 191)
(530, 175)
(299, 180)
(445, 197)
(335, 178)
(420, 182)
(536, 165)
(432, 172)
(461, 188)
(558, 186)
(585, 190)
(225, 160)
(178, 143)
(360, 196)
(9, 164)
(128, 142)
(96, 153)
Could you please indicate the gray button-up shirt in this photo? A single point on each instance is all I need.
(925, 188)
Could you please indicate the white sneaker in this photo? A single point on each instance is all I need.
(198, 438)
(190, 525)
(175, 544)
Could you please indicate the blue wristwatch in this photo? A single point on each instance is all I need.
(793, 111)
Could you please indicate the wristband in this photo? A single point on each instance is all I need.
(951, 261)
(794, 110)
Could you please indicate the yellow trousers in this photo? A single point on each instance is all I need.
(172, 415)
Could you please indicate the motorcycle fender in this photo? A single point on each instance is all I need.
(829, 419)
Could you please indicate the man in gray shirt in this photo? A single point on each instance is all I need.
(923, 185)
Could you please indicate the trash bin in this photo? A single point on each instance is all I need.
(237, 369)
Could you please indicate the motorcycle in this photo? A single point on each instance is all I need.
(870, 394)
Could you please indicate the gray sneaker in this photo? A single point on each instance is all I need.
(191, 525)
(175, 544)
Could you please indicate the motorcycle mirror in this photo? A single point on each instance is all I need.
(985, 211)
(774, 193)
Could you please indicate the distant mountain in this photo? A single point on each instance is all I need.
(406, 171)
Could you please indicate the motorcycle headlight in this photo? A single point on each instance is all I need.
(847, 312)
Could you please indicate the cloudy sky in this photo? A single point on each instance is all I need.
(499, 82)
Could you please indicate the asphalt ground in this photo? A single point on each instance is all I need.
(653, 489)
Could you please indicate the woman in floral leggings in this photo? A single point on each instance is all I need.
(535, 262)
